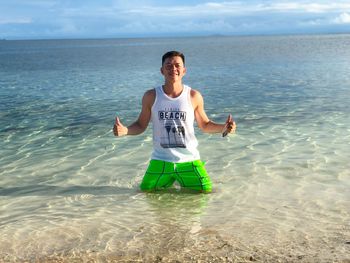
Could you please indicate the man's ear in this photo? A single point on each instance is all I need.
(161, 70)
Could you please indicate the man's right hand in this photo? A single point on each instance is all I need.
(119, 129)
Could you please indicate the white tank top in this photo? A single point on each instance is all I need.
(173, 131)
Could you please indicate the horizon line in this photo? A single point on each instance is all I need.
(178, 36)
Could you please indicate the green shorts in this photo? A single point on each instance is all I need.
(190, 175)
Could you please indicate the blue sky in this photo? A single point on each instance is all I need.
(33, 19)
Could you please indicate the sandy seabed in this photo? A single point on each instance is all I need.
(204, 246)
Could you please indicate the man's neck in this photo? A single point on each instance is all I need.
(173, 90)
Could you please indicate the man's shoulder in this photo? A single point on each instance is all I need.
(150, 93)
(196, 98)
(195, 94)
(149, 97)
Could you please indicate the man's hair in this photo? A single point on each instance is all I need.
(171, 54)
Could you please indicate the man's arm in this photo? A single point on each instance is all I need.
(140, 125)
(204, 123)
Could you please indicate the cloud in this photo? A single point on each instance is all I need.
(343, 18)
(14, 21)
(235, 17)
(184, 27)
(108, 18)
(236, 8)
(306, 7)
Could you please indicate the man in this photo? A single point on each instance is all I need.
(173, 107)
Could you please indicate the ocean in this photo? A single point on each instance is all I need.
(69, 189)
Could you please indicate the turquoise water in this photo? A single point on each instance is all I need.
(69, 188)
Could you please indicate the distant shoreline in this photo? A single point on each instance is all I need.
(177, 36)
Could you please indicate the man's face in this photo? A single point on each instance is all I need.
(173, 69)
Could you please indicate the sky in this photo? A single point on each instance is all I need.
(52, 19)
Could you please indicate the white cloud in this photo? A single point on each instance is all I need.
(306, 7)
(4, 21)
(343, 18)
(147, 17)
(184, 27)
(202, 10)
(236, 8)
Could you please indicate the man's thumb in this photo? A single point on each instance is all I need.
(117, 121)
(229, 118)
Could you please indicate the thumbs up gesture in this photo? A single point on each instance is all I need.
(119, 129)
(230, 126)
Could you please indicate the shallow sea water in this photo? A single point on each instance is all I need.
(69, 189)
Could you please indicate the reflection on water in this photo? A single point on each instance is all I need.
(176, 220)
